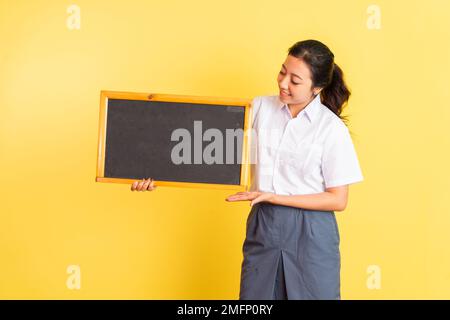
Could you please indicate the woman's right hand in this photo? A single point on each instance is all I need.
(144, 185)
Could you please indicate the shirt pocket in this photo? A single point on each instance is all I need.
(305, 158)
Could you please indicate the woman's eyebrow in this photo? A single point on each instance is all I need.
(292, 73)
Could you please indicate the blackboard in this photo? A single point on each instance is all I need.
(183, 141)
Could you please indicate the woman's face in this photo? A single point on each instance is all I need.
(294, 82)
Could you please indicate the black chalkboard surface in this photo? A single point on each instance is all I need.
(184, 141)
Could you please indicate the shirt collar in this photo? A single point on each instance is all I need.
(311, 109)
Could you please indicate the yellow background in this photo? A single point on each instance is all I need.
(179, 243)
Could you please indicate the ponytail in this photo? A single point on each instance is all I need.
(336, 94)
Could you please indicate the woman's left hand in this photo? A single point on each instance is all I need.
(253, 196)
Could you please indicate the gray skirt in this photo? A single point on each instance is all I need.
(290, 253)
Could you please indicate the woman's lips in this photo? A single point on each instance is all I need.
(283, 93)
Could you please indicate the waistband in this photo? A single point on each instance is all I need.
(282, 207)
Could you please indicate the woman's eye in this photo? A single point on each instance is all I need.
(281, 72)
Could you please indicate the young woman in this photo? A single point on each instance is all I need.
(305, 161)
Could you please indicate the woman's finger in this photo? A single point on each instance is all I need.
(134, 185)
(151, 186)
(140, 185)
(237, 198)
(239, 194)
(146, 184)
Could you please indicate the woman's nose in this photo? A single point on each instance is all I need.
(283, 83)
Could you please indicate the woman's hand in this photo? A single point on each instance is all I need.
(144, 185)
(253, 196)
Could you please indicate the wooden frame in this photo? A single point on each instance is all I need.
(238, 102)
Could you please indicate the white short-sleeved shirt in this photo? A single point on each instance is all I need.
(301, 155)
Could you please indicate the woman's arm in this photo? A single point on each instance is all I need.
(332, 199)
